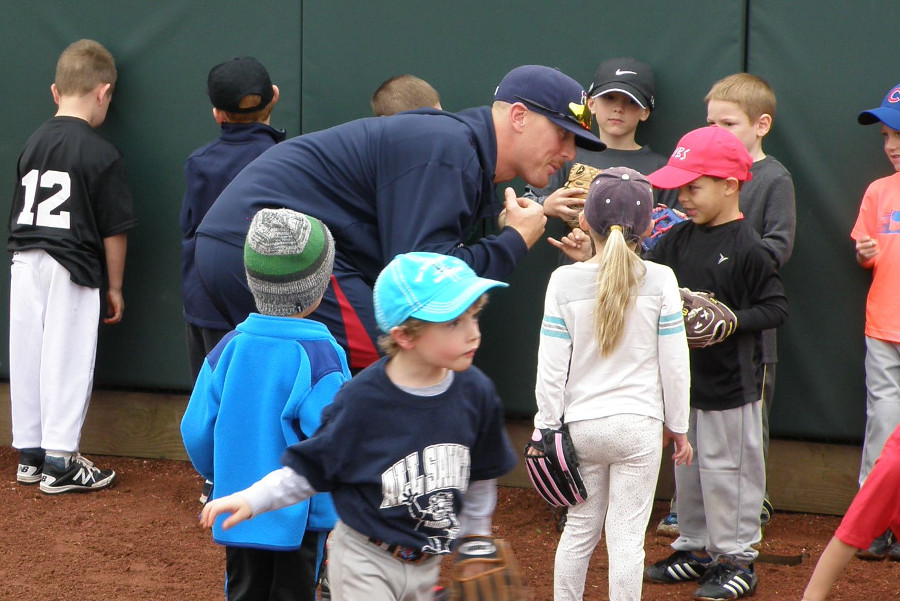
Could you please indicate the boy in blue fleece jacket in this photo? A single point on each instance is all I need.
(263, 388)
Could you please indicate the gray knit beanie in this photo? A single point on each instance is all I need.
(288, 257)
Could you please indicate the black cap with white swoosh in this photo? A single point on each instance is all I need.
(625, 75)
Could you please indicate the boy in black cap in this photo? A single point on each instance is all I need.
(243, 97)
(621, 96)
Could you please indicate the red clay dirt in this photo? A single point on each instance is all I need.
(140, 540)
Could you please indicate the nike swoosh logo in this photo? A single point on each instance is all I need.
(620, 72)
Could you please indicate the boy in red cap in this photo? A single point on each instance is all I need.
(719, 495)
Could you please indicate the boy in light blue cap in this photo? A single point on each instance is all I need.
(411, 447)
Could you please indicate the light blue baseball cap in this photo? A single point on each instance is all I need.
(428, 286)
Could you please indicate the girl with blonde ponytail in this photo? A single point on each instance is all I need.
(613, 366)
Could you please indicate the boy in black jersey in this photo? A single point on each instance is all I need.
(70, 214)
(720, 494)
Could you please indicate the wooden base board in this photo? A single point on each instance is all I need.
(803, 476)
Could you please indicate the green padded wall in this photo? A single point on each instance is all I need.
(826, 62)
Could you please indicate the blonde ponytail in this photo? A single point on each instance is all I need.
(618, 277)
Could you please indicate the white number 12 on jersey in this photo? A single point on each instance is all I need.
(49, 179)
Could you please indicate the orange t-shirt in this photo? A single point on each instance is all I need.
(879, 218)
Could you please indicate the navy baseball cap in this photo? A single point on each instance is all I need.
(554, 95)
(427, 286)
(229, 82)
(888, 113)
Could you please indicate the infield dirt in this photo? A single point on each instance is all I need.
(140, 540)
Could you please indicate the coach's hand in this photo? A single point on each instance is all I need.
(525, 216)
(236, 505)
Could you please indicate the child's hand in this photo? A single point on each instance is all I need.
(576, 245)
(115, 306)
(684, 452)
(236, 505)
(867, 248)
(565, 203)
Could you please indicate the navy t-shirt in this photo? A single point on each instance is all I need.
(398, 464)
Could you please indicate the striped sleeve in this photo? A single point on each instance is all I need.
(674, 360)
(554, 353)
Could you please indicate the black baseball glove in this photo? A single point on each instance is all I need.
(552, 466)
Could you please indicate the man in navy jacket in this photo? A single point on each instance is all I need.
(417, 181)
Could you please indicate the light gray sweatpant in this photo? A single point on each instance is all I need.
(720, 494)
(882, 399)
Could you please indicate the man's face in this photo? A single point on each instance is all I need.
(544, 148)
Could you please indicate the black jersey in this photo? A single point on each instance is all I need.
(731, 261)
(70, 194)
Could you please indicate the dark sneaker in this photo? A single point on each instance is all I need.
(726, 580)
(668, 526)
(75, 474)
(894, 552)
(31, 466)
(680, 566)
(879, 548)
(765, 516)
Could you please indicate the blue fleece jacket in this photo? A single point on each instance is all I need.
(262, 389)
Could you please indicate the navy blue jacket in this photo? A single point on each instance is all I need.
(417, 181)
(206, 173)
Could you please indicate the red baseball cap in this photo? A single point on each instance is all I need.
(711, 151)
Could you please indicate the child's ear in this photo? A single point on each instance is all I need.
(218, 115)
(763, 124)
(645, 114)
(402, 337)
(732, 185)
(55, 93)
(104, 93)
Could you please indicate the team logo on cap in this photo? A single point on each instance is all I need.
(681, 153)
(894, 96)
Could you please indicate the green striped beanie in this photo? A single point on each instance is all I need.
(288, 258)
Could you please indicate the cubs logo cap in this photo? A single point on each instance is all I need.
(888, 113)
(229, 82)
(628, 76)
(553, 94)
(428, 286)
(711, 151)
(619, 196)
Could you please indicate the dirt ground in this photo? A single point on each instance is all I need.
(140, 540)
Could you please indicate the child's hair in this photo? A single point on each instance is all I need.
(414, 328)
(618, 277)
(83, 66)
(403, 93)
(259, 116)
(750, 92)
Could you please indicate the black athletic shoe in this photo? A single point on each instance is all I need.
(726, 580)
(680, 566)
(765, 516)
(75, 474)
(31, 466)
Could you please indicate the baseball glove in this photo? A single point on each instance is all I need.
(707, 321)
(485, 569)
(553, 471)
(580, 177)
(663, 220)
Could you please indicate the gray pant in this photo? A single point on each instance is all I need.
(882, 399)
(358, 570)
(720, 493)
